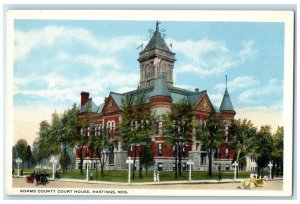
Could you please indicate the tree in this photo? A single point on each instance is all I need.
(21, 147)
(242, 131)
(144, 126)
(277, 154)
(84, 126)
(260, 146)
(136, 125)
(68, 132)
(55, 133)
(103, 145)
(147, 158)
(179, 128)
(29, 157)
(212, 134)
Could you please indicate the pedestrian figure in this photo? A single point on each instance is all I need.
(220, 172)
(91, 176)
(22, 172)
(154, 176)
(157, 176)
(13, 171)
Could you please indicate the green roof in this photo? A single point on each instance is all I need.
(226, 104)
(117, 98)
(90, 106)
(160, 86)
(157, 42)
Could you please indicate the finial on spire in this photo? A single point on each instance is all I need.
(157, 25)
(226, 81)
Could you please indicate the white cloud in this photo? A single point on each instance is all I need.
(216, 99)
(50, 35)
(185, 86)
(55, 81)
(196, 50)
(208, 57)
(125, 89)
(247, 51)
(273, 87)
(238, 83)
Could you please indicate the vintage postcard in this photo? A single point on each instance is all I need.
(149, 102)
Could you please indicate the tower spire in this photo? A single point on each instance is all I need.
(226, 104)
(157, 25)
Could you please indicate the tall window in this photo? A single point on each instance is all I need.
(87, 154)
(88, 131)
(99, 130)
(96, 130)
(174, 150)
(113, 127)
(159, 149)
(111, 158)
(226, 133)
(226, 153)
(160, 125)
(203, 155)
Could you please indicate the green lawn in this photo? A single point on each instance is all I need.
(122, 175)
(27, 172)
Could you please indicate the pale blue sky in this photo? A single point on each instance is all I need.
(55, 60)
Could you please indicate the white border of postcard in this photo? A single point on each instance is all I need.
(286, 17)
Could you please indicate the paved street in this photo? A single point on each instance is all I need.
(21, 183)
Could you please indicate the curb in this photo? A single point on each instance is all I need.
(158, 183)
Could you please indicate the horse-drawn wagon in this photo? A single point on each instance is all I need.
(39, 177)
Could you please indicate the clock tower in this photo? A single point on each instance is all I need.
(154, 59)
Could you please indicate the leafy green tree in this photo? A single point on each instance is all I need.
(29, 157)
(242, 131)
(136, 125)
(44, 134)
(179, 128)
(277, 154)
(21, 147)
(68, 132)
(212, 134)
(55, 133)
(143, 126)
(126, 133)
(260, 146)
(103, 145)
(84, 125)
(147, 158)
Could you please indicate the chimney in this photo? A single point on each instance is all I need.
(196, 89)
(84, 98)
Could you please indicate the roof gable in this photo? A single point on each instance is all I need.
(110, 106)
(205, 105)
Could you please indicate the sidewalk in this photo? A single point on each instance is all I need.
(159, 183)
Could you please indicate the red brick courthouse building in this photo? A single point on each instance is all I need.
(156, 84)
